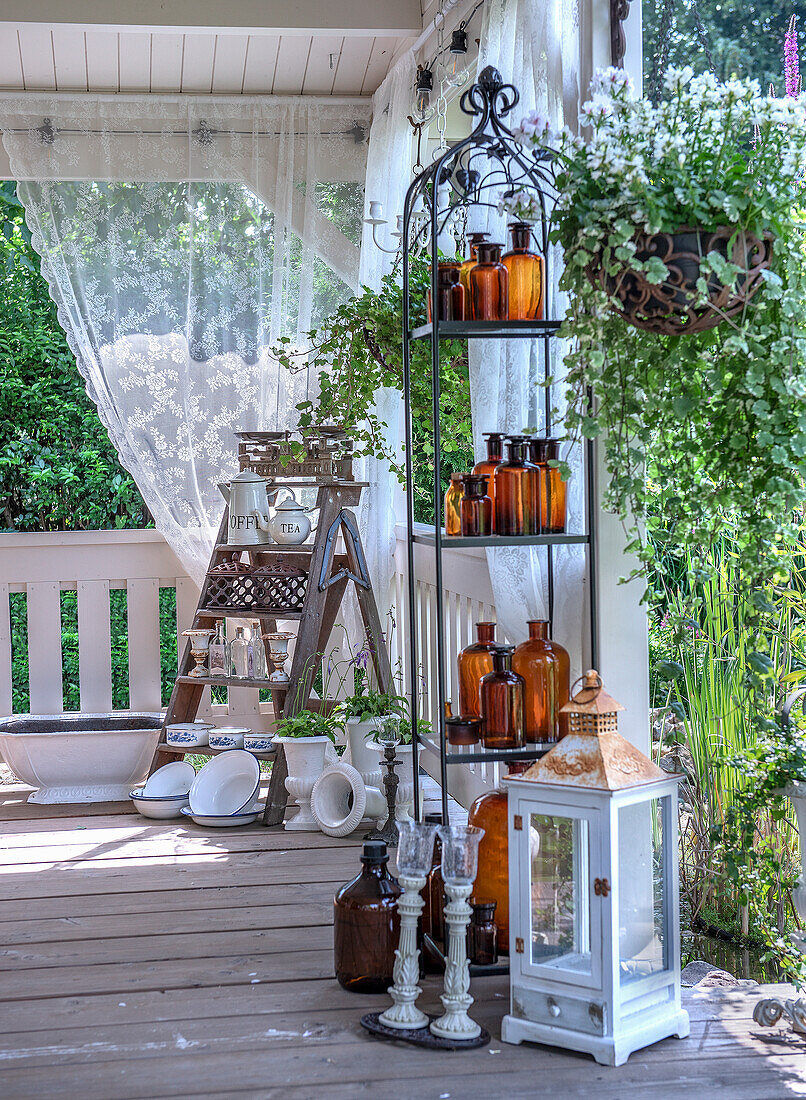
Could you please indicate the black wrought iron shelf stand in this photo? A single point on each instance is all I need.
(475, 172)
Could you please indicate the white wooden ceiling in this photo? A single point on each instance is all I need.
(36, 57)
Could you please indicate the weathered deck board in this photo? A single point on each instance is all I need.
(127, 946)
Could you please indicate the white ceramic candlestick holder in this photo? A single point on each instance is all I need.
(404, 1013)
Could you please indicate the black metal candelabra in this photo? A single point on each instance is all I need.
(390, 833)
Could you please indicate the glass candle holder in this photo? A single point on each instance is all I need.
(475, 507)
(414, 857)
(460, 848)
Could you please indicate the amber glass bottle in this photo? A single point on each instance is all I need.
(532, 491)
(489, 812)
(546, 670)
(489, 285)
(487, 466)
(501, 698)
(366, 925)
(482, 934)
(526, 276)
(473, 241)
(449, 293)
(474, 662)
(432, 921)
(513, 495)
(554, 491)
(453, 521)
(476, 508)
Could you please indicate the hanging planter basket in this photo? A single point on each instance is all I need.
(670, 308)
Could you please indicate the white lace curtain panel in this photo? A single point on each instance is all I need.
(542, 50)
(181, 236)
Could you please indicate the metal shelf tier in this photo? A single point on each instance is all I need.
(457, 542)
(479, 330)
(468, 754)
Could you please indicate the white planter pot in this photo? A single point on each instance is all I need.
(341, 800)
(797, 796)
(404, 802)
(360, 752)
(305, 759)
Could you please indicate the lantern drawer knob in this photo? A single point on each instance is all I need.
(553, 1007)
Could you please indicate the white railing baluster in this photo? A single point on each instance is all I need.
(94, 646)
(143, 616)
(5, 652)
(45, 648)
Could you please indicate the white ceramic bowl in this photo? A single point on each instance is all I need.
(225, 821)
(188, 735)
(258, 742)
(162, 807)
(226, 784)
(171, 779)
(228, 737)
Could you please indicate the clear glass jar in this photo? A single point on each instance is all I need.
(239, 655)
(218, 659)
(366, 925)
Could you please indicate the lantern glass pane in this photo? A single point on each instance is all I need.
(643, 946)
(560, 905)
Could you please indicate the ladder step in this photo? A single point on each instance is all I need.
(205, 750)
(247, 613)
(233, 681)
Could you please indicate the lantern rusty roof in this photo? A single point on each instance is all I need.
(593, 754)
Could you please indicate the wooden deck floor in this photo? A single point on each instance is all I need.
(162, 960)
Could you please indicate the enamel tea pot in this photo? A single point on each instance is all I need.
(289, 525)
(248, 496)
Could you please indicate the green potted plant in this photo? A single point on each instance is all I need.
(305, 737)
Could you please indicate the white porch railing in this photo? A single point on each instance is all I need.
(44, 565)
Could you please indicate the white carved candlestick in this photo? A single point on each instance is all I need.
(455, 1023)
(404, 1014)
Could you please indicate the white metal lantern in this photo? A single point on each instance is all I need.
(593, 892)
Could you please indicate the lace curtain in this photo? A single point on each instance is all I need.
(539, 49)
(181, 236)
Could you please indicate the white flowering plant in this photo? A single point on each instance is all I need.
(702, 432)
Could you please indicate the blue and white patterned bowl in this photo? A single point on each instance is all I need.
(188, 735)
(258, 742)
(228, 737)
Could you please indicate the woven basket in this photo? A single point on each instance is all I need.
(266, 588)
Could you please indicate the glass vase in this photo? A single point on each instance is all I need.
(366, 925)
(475, 661)
(475, 508)
(489, 285)
(546, 670)
(501, 698)
(526, 276)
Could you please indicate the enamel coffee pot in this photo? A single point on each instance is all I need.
(290, 525)
(248, 496)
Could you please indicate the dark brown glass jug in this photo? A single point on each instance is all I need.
(513, 494)
(366, 925)
(474, 662)
(482, 934)
(526, 276)
(553, 490)
(489, 285)
(450, 294)
(487, 466)
(501, 697)
(546, 670)
(432, 921)
(475, 508)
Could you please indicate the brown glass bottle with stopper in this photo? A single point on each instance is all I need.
(489, 285)
(473, 241)
(513, 492)
(526, 276)
(366, 924)
(475, 507)
(546, 670)
(553, 490)
(453, 497)
(501, 698)
(495, 454)
(475, 661)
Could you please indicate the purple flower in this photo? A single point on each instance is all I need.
(791, 62)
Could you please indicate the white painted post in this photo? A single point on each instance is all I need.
(143, 613)
(94, 646)
(5, 651)
(45, 648)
